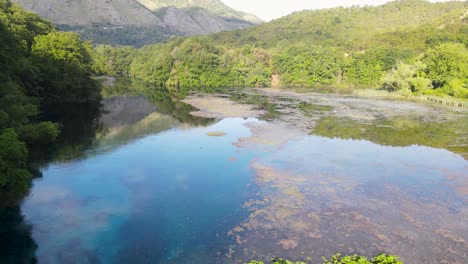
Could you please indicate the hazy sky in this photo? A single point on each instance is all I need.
(271, 9)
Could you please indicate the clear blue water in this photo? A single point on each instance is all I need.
(164, 197)
(160, 190)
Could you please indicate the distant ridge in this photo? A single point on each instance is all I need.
(139, 22)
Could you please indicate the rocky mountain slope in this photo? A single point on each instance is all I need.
(139, 22)
(86, 12)
(215, 7)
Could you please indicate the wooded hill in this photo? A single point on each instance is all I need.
(411, 46)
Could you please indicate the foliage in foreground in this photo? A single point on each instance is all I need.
(39, 68)
(338, 259)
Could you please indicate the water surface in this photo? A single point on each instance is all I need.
(149, 185)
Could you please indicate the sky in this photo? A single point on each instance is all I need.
(271, 9)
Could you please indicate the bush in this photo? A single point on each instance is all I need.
(338, 259)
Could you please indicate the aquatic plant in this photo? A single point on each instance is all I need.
(216, 134)
(355, 259)
(261, 102)
(309, 109)
(339, 259)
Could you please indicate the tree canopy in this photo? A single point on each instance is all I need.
(40, 67)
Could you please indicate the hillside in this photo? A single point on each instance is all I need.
(139, 22)
(411, 46)
(215, 7)
(87, 12)
(355, 26)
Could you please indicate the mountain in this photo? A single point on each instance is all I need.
(87, 12)
(215, 7)
(139, 22)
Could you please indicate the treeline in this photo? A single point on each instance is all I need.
(409, 46)
(40, 68)
(195, 63)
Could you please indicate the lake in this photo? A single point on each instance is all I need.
(154, 184)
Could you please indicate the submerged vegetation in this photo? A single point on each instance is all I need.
(339, 259)
(309, 109)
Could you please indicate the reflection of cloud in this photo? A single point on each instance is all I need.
(136, 175)
(49, 194)
(182, 182)
(315, 191)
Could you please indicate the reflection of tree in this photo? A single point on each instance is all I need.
(399, 131)
(81, 129)
(79, 126)
(16, 243)
(169, 104)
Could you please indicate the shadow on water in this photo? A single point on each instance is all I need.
(16, 244)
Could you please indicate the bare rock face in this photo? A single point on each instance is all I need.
(139, 22)
(215, 7)
(198, 21)
(86, 12)
(179, 20)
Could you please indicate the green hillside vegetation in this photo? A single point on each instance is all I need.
(354, 28)
(408, 47)
(135, 36)
(40, 68)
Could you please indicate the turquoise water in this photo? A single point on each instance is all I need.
(155, 188)
(166, 197)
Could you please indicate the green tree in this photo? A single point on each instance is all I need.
(308, 65)
(113, 61)
(66, 68)
(445, 63)
(14, 176)
(39, 67)
(407, 78)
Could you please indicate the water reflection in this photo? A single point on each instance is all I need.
(138, 180)
(150, 200)
(400, 131)
(88, 130)
(127, 118)
(319, 196)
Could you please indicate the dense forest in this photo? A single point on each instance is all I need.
(41, 69)
(408, 47)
